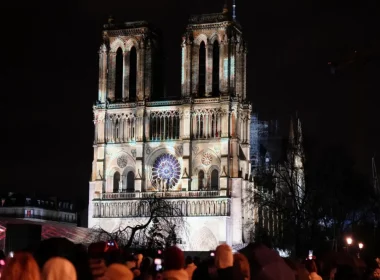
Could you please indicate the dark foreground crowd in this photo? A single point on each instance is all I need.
(60, 259)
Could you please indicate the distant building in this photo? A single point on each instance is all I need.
(38, 209)
(266, 143)
(277, 168)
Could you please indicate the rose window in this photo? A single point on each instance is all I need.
(166, 171)
(122, 161)
(206, 159)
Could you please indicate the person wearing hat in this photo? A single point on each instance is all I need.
(174, 262)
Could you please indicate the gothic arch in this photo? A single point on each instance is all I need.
(132, 42)
(204, 240)
(126, 171)
(113, 162)
(201, 38)
(213, 177)
(115, 181)
(197, 161)
(117, 43)
(214, 37)
(201, 176)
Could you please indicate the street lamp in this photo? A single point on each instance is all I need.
(349, 242)
(360, 249)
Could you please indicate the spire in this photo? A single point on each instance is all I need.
(225, 8)
(234, 10)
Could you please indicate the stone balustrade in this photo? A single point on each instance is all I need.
(169, 194)
(138, 208)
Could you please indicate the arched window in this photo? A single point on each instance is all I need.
(132, 74)
(201, 176)
(215, 68)
(130, 182)
(116, 180)
(202, 70)
(214, 180)
(119, 75)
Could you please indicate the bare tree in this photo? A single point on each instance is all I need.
(149, 209)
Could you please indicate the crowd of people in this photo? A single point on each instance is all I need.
(60, 259)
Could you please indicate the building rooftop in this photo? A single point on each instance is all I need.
(52, 203)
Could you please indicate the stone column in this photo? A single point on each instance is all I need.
(148, 71)
(239, 73)
(225, 120)
(126, 74)
(223, 66)
(244, 75)
(186, 71)
(195, 70)
(185, 120)
(140, 73)
(208, 69)
(147, 126)
(236, 210)
(111, 75)
(232, 68)
(102, 74)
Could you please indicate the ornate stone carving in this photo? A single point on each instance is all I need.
(206, 159)
(122, 161)
(166, 172)
(195, 149)
(180, 150)
(133, 152)
(148, 150)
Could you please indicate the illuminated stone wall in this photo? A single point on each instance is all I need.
(195, 149)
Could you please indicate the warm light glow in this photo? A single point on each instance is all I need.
(361, 245)
(349, 240)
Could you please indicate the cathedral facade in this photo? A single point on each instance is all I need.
(194, 150)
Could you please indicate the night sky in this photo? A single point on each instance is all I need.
(49, 77)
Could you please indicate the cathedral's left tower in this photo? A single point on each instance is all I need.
(128, 57)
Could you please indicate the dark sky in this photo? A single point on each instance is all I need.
(49, 77)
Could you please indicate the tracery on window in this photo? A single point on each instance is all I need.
(166, 172)
(206, 123)
(120, 128)
(164, 125)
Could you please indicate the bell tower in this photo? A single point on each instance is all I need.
(127, 59)
(213, 57)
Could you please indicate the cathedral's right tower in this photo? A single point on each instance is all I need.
(213, 57)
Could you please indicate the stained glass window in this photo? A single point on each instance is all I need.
(166, 171)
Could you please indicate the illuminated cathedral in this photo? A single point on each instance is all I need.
(193, 150)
